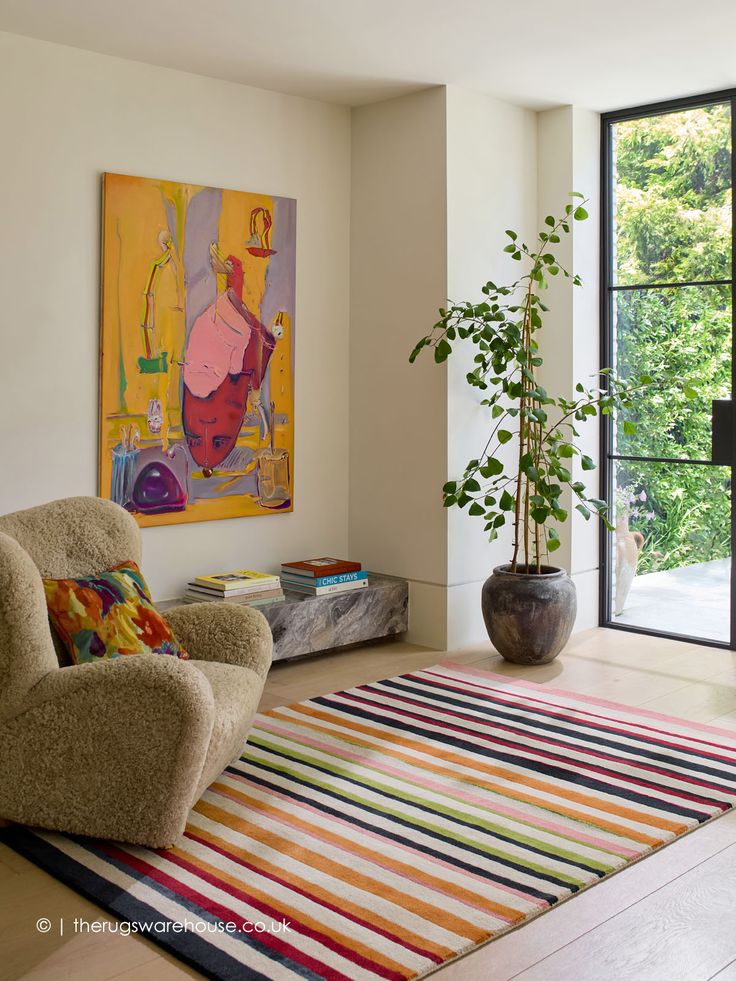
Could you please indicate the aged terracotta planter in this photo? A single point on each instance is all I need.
(529, 616)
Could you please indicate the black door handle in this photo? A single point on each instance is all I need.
(723, 432)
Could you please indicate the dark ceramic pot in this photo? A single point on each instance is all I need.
(529, 616)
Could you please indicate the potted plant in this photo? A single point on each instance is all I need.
(528, 604)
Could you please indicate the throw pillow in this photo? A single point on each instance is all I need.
(107, 616)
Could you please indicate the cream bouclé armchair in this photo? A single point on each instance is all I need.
(121, 748)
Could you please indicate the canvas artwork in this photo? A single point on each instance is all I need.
(197, 351)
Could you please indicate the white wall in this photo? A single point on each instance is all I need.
(68, 115)
(491, 186)
(436, 178)
(569, 158)
(398, 412)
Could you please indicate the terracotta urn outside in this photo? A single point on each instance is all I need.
(528, 615)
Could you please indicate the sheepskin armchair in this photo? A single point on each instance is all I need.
(122, 748)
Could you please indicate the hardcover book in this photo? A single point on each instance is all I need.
(319, 568)
(256, 587)
(310, 590)
(257, 591)
(289, 577)
(227, 581)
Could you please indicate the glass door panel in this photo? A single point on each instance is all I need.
(684, 331)
(671, 550)
(672, 198)
(668, 277)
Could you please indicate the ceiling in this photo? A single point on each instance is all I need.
(538, 53)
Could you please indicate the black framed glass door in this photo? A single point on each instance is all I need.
(668, 306)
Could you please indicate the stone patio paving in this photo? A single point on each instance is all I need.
(693, 601)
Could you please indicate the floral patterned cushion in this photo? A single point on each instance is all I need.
(110, 615)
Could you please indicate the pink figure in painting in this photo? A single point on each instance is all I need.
(226, 356)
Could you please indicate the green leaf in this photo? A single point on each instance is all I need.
(583, 510)
(421, 344)
(507, 502)
(492, 467)
(689, 392)
(540, 514)
(509, 248)
(503, 436)
(577, 194)
(587, 463)
(496, 411)
(629, 427)
(580, 214)
(472, 485)
(442, 351)
(549, 220)
(513, 236)
(476, 509)
(450, 487)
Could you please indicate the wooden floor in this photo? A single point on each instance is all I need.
(670, 916)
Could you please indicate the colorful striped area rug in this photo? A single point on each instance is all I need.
(382, 831)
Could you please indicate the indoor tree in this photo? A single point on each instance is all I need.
(504, 327)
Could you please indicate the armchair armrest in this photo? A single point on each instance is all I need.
(228, 634)
(110, 749)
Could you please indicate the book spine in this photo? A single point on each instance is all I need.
(335, 580)
(257, 586)
(312, 574)
(344, 587)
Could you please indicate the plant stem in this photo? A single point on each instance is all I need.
(527, 564)
(523, 430)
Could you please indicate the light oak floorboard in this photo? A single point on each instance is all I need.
(682, 932)
(680, 679)
(727, 974)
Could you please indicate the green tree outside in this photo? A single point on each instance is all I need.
(673, 224)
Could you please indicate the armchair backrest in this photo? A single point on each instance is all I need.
(74, 537)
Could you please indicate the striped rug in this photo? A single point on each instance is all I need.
(397, 825)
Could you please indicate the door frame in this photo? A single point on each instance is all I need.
(607, 460)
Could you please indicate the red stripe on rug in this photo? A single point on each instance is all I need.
(229, 916)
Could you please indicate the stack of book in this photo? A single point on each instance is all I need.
(242, 586)
(320, 577)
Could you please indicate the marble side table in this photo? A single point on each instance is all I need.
(308, 624)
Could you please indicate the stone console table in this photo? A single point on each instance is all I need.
(308, 624)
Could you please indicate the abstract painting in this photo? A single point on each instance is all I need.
(197, 351)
